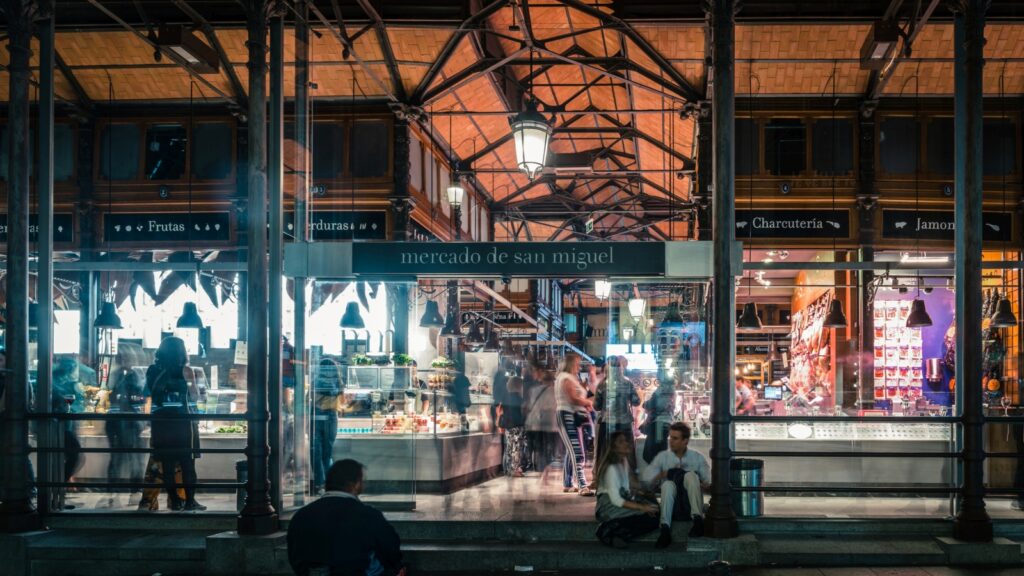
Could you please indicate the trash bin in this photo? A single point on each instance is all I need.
(747, 473)
(242, 477)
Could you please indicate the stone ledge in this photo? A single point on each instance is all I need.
(998, 552)
(229, 553)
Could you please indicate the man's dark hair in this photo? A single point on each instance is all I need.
(681, 427)
(343, 474)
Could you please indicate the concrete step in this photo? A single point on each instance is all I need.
(495, 557)
(102, 552)
(849, 551)
(834, 526)
(524, 531)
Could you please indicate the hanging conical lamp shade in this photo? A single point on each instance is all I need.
(748, 319)
(1004, 317)
(108, 318)
(451, 327)
(431, 317)
(190, 317)
(352, 318)
(835, 318)
(773, 352)
(919, 317)
(672, 316)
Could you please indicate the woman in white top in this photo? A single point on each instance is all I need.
(573, 411)
(623, 516)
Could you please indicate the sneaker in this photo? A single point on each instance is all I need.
(665, 538)
(1017, 505)
(698, 527)
(193, 506)
(175, 505)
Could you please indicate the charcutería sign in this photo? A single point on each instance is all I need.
(511, 258)
(792, 224)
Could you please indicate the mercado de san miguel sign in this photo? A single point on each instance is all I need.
(332, 225)
(510, 258)
(167, 227)
(941, 225)
(792, 224)
(63, 228)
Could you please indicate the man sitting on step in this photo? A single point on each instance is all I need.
(674, 470)
(338, 535)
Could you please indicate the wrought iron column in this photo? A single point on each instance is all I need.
(258, 516)
(16, 511)
(705, 171)
(401, 206)
(275, 171)
(972, 523)
(867, 203)
(301, 225)
(721, 521)
(45, 429)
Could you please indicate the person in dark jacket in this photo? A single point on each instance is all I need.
(513, 422)
(339, 535)
(173, 440)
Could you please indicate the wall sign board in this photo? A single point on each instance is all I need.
(941, 225)
(497, 316)
(167, 227)
(63, 228)
(339, 225)
(792, 224)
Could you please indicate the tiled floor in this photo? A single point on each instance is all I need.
(540, 496)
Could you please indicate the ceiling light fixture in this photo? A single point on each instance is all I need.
(188, 50)
(602, 289)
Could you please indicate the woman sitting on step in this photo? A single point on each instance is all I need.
(623, 514)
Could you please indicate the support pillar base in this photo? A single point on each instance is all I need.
(258, 524)
(720, 521)
(19, 517)
(973, 526)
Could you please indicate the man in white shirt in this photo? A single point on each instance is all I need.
(696, 476)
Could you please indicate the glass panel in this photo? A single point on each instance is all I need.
(829, 134)
(165, 152)
(1000, 146)
(123, 163)
(898, 145)
(212, 151)
(785, 142)
(746, 147)
(63, 152)
(371, 157)
(941, 146)
(328, 151)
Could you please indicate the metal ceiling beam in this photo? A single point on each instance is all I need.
(453, 82)
(688, 91)
(82, 97)
(449, 48)
(385, 46)
(211, 37)
(880, 78)
(347, 44)
(198, 77)
(688, 163)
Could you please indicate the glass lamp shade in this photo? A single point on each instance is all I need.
(835, 318)
(637, 307)
(531, 133)
(455, 195)
(108, 318)
(190, 317)
(748, 318)
(451, 327)
(918, 317)
(431, 317)
(352, 318)
(602, 289)
(1004, 316)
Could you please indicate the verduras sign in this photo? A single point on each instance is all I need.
(63, 228)
(336, 225)
(167, 227)
(511, 258)
(792, 224)
(941, 225)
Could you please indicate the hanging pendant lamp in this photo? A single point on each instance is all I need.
(451, 327)
(531, 133)
(835, 318)
(431, 317)
(352, 318)
(190, 317)
(773, 352)
(1004, 316)
(672, 315)
(918, 317)
(108, 318)
(748, 319)
(476, 335)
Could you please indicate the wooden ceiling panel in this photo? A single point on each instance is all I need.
(104, 49)
(417, 44)
(501, 21)
(158, 83)
(934, 41)
(1004, 41)
(935, 78)
(673, 40)
(412, 75)
(811, 78)
(464, 56)
(809, 41)
(602, 43)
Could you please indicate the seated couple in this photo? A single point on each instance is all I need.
(626, 512)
